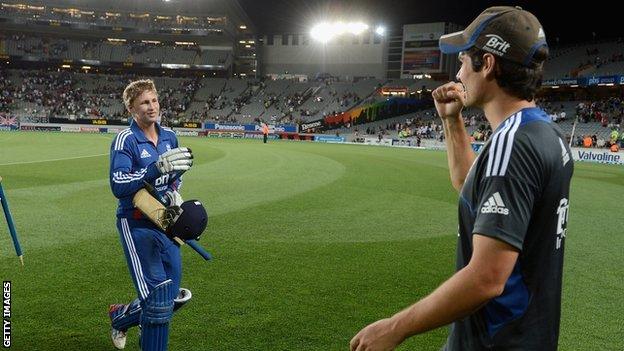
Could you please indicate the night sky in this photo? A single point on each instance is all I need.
(570, 23)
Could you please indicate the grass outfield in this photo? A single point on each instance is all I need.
(311, 242)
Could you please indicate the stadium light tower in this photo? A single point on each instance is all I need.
(325, 31)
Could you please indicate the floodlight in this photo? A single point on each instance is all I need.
(357, 27)
(340, 28)
(322, 32)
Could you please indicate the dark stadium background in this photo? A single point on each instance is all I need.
(571, 21)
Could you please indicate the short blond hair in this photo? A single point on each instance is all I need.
(135, 89)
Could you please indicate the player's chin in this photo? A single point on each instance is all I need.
(468, 102)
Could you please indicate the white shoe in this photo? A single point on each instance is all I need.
(117, 336)
(119, 339)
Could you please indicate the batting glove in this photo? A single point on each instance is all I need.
(173, 198)
(178, 159)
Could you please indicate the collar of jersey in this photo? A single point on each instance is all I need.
(500, 126)
(140, 136)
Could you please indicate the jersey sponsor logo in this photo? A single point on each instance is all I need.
(562, 221)
(495, 205)
(145, 154)
(164, 179)
(168, 147)
(496, 45)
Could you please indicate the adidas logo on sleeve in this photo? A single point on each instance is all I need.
(495, 205)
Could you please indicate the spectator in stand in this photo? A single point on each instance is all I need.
(604, 120)
(614, 147)
(614, 135)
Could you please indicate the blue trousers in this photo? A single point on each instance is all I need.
(151, 256)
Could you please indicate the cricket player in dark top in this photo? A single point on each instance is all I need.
(513, 199)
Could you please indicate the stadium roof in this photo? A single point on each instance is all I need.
(230, 8)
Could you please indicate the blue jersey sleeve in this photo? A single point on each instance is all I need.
(125, 178)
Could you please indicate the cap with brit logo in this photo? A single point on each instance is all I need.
(509, 32)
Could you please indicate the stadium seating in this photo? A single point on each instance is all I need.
(107, 51)
(583, 60)
(102, 18)
(39, 94)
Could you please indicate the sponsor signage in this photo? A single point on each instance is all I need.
(71, 129)
(583, 82)
(552, 82)
(305, 127)
(34, 127)
(260, 136)
(402, 142)
(329, 139)
(604, 80)
(598, 155)
(191, 125)
(96, 122)
(249, 127)
(186, 133)
(217, 126)
(89, 129)
(225, 134)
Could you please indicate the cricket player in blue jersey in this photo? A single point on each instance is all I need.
(147, 152)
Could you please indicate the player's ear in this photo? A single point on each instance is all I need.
(489, 65)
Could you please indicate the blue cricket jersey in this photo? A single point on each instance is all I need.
(133, 160)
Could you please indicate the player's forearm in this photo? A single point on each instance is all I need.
(456, 298)
(124, 183)
(459, 151)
